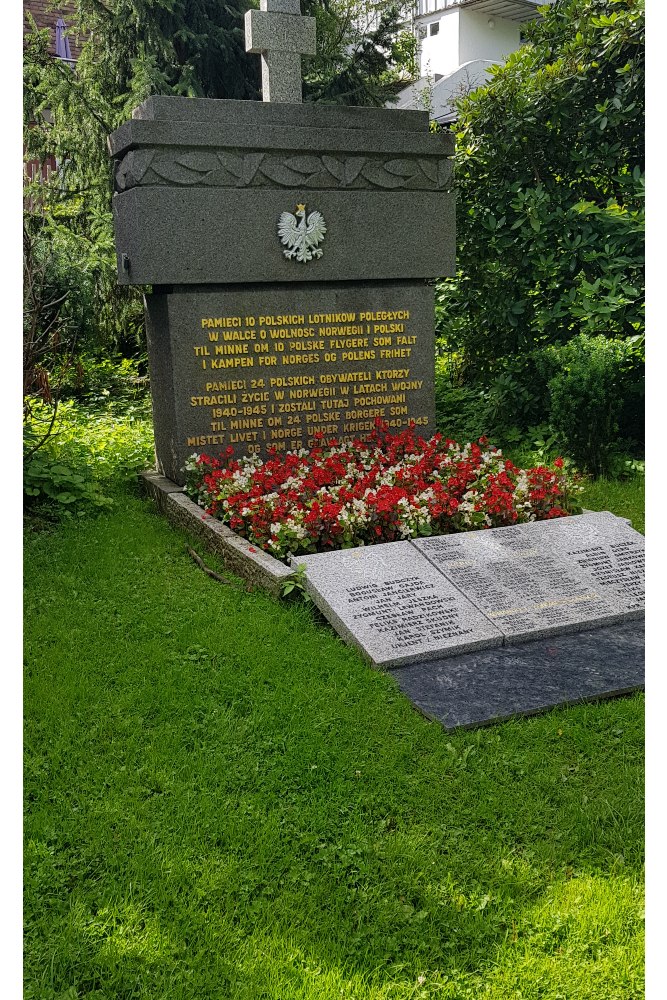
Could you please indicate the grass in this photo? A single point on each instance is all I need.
(623, 497)
(223, 801)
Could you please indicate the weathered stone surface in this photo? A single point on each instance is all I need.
(393, 604)
(275, 386)
(284, 116)
(606, 550)
(238, 555)
(174, 167)
(282, 36)
(158, 487)
(231, 236)
(529, 581)
(275, 31)
(490, 685)
(140, 133)
(281, 6)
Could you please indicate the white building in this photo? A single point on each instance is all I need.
(458, 41)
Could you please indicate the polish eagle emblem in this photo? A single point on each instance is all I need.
(301, 236)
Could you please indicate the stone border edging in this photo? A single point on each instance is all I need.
(238, 555)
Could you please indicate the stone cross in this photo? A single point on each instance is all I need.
(282, 36)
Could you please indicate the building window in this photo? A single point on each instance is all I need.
(434, 28)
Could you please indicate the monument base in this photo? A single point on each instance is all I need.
(465, 688)
(493, 685)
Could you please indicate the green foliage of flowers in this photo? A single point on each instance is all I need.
(87, 454)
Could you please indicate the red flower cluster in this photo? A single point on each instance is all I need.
(384, 488)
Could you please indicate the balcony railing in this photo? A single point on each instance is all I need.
(510, 8)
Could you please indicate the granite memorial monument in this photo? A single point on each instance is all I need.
(289, 249)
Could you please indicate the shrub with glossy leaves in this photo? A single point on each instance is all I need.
(595, 379)
(550, 173)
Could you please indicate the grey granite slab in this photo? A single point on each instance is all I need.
(140, 132)
(392, 604)
(280, 31)
(606, 551)
(490, 685)
(224, 236)
(287, 116)
(527, 580)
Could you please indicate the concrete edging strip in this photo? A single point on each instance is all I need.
(238, 555)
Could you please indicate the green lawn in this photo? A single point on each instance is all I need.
(223, 801)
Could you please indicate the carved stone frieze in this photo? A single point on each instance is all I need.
(239, 168)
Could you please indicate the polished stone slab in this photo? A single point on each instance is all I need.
(490, 685)
(606, 550)
(268, 398)
(392, 604)
(546, 577)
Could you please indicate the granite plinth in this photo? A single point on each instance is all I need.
(393, 605)
(259, 367)
(548, 576)
(198, 197)
(483, 687)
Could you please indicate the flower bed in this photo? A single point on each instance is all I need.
(381, 489)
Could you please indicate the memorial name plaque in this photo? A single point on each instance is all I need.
(394, 605)
(605, 550)
(521, 586)
(272, 366)
(404, 602)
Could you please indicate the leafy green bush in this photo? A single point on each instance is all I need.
(101, 380)
(89, 453)
(595, 380)
(461, 412)
(47, 480)
(550, 177)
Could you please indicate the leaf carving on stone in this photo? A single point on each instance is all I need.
(232, 163)
(277, 171)
(251, 164)
(132, 168)
(141, 161)
(353, 167)
(123, 172)
(429, 169)
(198, 160)
(322, 180)
(402, 168)
(304, 164)
(172, 170)
(376, 174)
(334, 166)
(444, 173)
